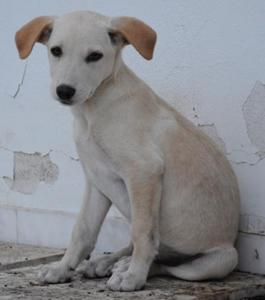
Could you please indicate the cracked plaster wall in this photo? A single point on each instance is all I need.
(209, 64)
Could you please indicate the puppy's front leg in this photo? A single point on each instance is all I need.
(144, 187)
(93, 211)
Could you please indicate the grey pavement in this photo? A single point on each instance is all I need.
(20, 282)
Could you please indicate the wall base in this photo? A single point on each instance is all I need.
(251, 250)
(53, 228)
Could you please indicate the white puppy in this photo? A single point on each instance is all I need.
(165, 176)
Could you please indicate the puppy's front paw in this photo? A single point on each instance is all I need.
(55, 273)
(123, 279)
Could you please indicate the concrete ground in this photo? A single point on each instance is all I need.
(20, 265)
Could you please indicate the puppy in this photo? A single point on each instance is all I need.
(168, 179)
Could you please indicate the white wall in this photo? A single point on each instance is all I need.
(209, 63)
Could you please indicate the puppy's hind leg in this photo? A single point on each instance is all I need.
(144, 186)
(215, 263)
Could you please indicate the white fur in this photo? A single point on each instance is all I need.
(164, 175)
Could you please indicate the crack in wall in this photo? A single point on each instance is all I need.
(211, 131)
(247, 162)
(257, 138)
(65, 154)
(6, 149)
(253, 158)
(254, 115)
(50, 151)
(21, 81)
(252, 224)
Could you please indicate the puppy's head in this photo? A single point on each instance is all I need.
(83, 49)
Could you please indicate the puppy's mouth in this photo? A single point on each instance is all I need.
(66, 102)
(74, 101)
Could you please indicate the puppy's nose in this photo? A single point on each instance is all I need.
(65, 92)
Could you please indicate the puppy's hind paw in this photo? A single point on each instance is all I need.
(100, 266)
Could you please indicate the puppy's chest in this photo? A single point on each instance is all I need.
(101, 171)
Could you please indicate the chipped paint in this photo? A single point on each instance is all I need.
(254, 114)
(211, 131)
(29, 170)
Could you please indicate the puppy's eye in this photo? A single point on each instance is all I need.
(94, 56)
(56, 51)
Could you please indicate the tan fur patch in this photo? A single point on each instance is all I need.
(137, 33)
(31, 33)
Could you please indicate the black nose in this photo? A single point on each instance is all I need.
(65, 92)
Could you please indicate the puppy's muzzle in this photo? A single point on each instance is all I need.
(65, 93)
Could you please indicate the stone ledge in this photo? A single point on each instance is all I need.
(21, 283)
(17, 256)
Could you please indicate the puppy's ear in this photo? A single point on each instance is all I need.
(137, 33)
(37, 30)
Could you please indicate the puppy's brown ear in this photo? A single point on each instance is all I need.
(137, 33)
(37, 30)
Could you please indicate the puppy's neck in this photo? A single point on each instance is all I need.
(123, 83)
